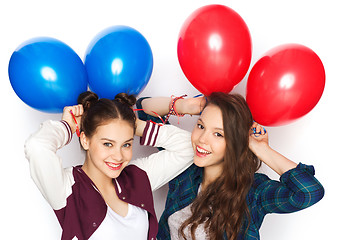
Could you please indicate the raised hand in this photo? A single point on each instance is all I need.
(192, 106)
(258, 138)
(77, 111)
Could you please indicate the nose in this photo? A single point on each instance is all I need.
(203, 137)
(117, 155)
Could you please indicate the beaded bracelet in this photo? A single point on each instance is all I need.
(172, 108)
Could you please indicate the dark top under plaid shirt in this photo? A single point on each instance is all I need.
(296, 190)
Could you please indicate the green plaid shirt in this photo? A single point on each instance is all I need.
(296, 190)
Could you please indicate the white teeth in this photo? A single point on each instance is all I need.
(113, 165)
(200, 150)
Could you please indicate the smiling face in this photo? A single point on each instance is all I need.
(109, 150)
(208, 139)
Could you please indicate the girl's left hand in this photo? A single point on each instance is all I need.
(258, 137)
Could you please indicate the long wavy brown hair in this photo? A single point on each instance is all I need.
(222, 206)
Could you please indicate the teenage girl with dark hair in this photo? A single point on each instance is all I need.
(221, 196)
(106, 197)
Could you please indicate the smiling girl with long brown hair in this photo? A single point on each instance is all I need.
(221, 195)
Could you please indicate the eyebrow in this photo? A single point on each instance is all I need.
(216, 128)
(110, 140)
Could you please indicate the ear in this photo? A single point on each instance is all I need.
(84, 141)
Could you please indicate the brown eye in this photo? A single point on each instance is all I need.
(217, 134)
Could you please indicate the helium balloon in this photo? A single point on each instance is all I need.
(285, 84)
(47, 74)
(119, 59)
(214, 49)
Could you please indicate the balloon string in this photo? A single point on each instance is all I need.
(159, 124)
(74, 119)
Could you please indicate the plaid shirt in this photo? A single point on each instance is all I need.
(296, 190)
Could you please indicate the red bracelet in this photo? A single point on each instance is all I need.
(172, 108)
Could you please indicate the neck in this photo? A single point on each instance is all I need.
(210, 174)
(101, 181)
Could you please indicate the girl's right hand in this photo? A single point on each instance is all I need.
(77, 111)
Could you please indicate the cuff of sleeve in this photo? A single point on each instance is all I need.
(69, 131)
(150, 134)
(295, 171)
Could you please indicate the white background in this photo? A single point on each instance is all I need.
(312, 139)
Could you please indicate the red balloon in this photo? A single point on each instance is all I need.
(285, 84)
(214, 49)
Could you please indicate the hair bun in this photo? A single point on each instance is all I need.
(87, 99)
(129, 100)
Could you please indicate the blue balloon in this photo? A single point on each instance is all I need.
(119, 59)
(47, 74)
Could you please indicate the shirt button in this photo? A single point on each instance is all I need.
(142, 205)
(123, 198)
(94, 224)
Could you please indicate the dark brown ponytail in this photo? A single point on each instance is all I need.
(129, 100)
(87, 99)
